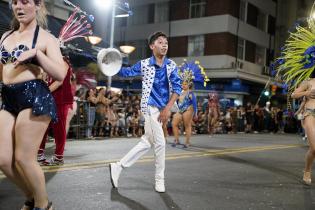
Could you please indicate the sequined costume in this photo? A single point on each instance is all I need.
(309, 112)
(213, 111)
(6, 56)
(186, 102)
(158, 82)
(30, 94)
(213, 106)
(33, 94)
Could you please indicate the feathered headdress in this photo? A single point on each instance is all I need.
(193, 72)
(297, 60)
(77, 25)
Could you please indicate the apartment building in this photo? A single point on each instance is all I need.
(232, 39)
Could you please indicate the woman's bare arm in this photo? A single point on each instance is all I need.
(302, 90)
(92, 99)
(1, 65)
(54, 86)
(52, 62)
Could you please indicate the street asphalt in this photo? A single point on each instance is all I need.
(235, 171)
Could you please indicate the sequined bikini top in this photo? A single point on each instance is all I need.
(6, 56)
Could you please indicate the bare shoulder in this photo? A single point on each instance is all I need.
(306, 83)
(311, 81)
(47, 36)
(5, 34)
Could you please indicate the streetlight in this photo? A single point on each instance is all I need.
(127, 49)
(266, 93)
(93, 39)
(113, 4)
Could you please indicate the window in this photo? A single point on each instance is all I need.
(196, 45)
(260, 55)
(197, 8)
(151, 13)
(140, 15)
(242, 11)
(161, 12)
(121, 22)
(261, 21)
(241, 49)
(251, 14)
(271, 25)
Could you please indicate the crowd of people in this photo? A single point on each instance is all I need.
(117, 114)
(111, 114)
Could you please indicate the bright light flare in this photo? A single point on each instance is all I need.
(266, 93)
(93, 39)
(104, 4)
(127, 49)
(122, 15)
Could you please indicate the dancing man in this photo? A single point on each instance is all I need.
(161, 86)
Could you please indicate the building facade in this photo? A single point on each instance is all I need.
(235, 40)
(56, 8)
(290, 12)
(232, 39)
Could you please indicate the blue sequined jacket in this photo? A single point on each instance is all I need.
(147, 72)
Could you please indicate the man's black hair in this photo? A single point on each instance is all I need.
(155, 36)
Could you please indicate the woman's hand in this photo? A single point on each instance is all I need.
(25, 56)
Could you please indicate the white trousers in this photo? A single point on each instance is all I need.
(153, 137)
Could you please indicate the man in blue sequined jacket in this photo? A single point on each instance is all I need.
(161, 86)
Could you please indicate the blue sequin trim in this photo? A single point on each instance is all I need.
(33, 94)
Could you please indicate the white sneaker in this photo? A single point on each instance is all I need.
(159, 186)
(114, 170)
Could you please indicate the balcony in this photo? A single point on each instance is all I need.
(225, 66)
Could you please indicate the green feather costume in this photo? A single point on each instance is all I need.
(297, 60)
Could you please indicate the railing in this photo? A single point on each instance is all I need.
(79, 123)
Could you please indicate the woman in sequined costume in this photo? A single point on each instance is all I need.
(28, 106)
(306, 90)
(213, 112)
(295, 67)
(187, 106)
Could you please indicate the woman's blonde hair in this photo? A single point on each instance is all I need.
(41, 16)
